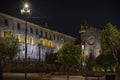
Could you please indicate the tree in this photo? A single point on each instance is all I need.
(90, 61)
(8, 50)
(105, 61)
(69, 55)
(51, 58)
(110, 40)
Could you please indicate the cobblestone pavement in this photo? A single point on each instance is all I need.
(64, 77)
(39, 76)
(43, 76)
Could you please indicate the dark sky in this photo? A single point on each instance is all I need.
(66, 15)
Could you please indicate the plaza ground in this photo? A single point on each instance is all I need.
(43, 76)
(40, 76)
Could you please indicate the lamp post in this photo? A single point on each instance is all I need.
(26, 11)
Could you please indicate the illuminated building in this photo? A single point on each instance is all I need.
(40, 41)
(90, 41)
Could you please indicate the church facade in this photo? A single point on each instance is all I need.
(90, 41)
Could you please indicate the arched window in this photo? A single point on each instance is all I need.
(5, 33)
(18, 37)
(31, 40)
(50, 44)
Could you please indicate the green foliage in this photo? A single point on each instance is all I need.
(106, 60)
(90, 61)
(110, 41)
(8, 50)
(110, 38)
(69, 54)
(51, 58)
(8, 47)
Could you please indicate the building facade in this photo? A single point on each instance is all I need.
(40, 41)
(90, 41)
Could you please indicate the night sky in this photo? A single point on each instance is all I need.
(66, 15)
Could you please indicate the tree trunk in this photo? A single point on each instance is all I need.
(105, 70)
(64, 68)
(67, 73)
(67, 76)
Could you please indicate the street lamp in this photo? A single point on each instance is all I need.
(26, 9)
(27, 12)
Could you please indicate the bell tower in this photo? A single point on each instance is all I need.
(82, 33)
(83, 30)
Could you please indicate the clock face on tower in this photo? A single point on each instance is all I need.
(91, 40)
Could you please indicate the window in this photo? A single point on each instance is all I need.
(54, 36)
(2, 34)
(62, 38)
(42, 42)
(36, 31)
(31, 40)
(41, 32)
(18, 26)
(6, 33)
(18, 37)
(50, 43)
(31, 30)
(45, 34)
(57, 37)
(6, 22)
(27, 39)
(50, 36)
